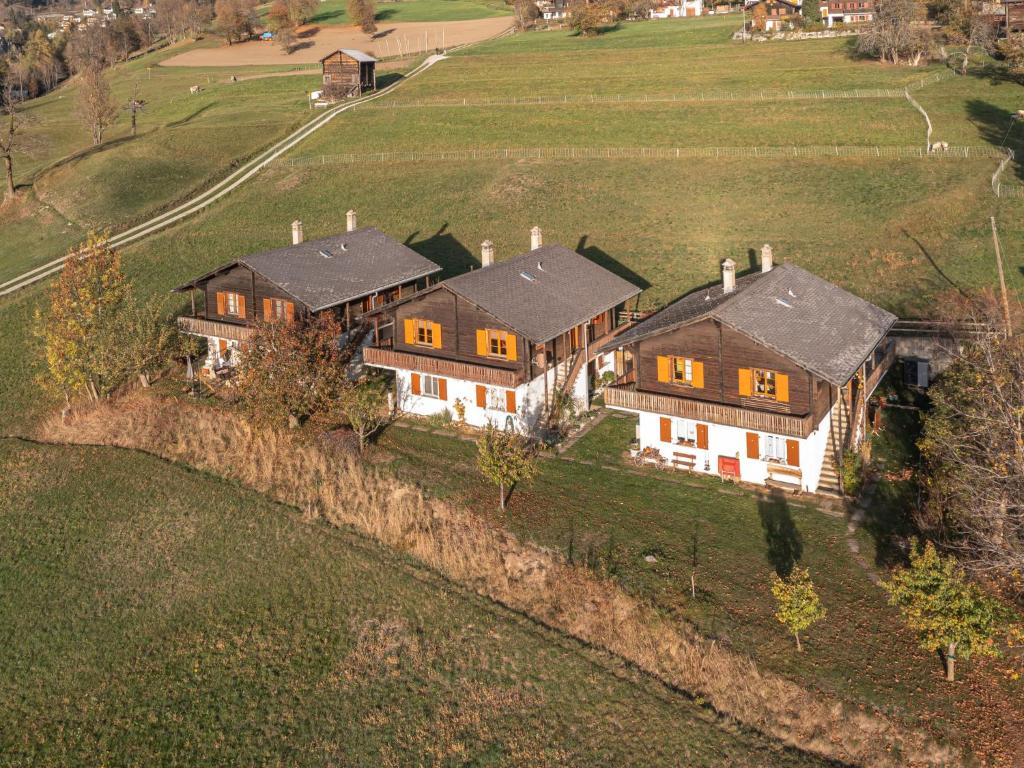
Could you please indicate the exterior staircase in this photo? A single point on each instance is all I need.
(831, 483)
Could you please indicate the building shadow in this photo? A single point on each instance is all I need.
(445, 250)
(613, 265)
(387, 78)
(785, 544)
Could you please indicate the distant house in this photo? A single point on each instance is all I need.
(773, 15)
(764, 378)
(504, 343)
(345, 275)
(846, 12)
(678, 8)
(348, 72)
(553, 10)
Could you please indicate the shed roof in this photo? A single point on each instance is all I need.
(357, 55)
(544, 292)
(326, 272)
(821, 327)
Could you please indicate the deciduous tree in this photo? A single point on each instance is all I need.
(967, 26)
(948, 613)
(235, 19)
(798, 604)
(896, 34)
(9, 133)
(365, 406)
(505, 458)
(96, 105)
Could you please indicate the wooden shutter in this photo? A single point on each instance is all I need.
(289, 312)
(698, 375)
(410, 331)
(782, 387)
(753, 446)
(664, 365)
(666, 430)
(481, 396)
(746, 382)
(436, 334)
(415, 382)
(442, 389)
(481, 342)
(702, 436)
(268, 309)
(512, 352)
(241, 305)
(510, 401)
(222, 345)
(793, 453)
(221, 302)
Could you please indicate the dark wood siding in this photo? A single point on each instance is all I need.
(254, 288)
(724, 352)
(344, 76)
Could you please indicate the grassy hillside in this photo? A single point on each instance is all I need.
(393, 11)
(156, 615)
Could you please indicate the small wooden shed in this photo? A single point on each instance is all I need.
(348, 72)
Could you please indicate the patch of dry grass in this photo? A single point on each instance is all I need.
(491, 561)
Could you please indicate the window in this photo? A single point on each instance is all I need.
(774, 448)
(431, 386)
(424, 333)
(497, 343)
(496, 399)
(278, 309)
(686, 432)
(682, 370)
(764, 383)
(232, 304)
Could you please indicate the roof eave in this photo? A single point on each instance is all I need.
(381, 288)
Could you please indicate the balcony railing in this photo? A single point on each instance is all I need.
(714, 413)
(436, 366)
(202, 327)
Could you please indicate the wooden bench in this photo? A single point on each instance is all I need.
(784, 474)
(683, 460)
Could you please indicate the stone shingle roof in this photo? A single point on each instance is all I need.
(326, 272)
(357, 55)
(816, 324)
(544, 292)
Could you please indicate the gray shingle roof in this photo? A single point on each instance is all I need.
(357, 55)
(821, 327)
(326, 272)
(544, 292)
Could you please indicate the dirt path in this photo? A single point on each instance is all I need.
(315, 42)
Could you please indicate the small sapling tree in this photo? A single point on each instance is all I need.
(365, 407)
(96, 106)
(505, 458)
(949, 614)
(799, 606)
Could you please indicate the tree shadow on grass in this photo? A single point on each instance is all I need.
(785, 544)
(997, 127)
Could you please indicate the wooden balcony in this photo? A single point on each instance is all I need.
(714, 413)
(202, 327)
(437, 366)
(881, 368)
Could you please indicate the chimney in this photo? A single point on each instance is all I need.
(296, 232)
(536, 240)
(728, 276)
(350, 220)
(486, 253)
(767, 258)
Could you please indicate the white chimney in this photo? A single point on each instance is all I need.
(536, 239)
(296, 232)
(728, 276)
(350, 220)
(486, 253)
(767, 258)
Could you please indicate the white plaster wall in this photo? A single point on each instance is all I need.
(213, 358)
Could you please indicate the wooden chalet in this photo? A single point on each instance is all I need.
(846, 12)
(346, 73)
(763, 379)
(346, 275)
(772, 15)
(501, 343)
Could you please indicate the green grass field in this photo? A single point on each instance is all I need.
(336, 11)
(153, 615)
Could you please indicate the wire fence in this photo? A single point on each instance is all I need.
(648, 153)
(998, 187)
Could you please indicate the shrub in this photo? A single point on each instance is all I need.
(853, 473)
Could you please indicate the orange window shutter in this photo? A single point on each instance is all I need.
(241, 305)
(702, 436)
(289, 311)
(442, 389)
(436, 327)
(698, 375)
(221, 301)
(512, 352)
(481, 342)
(746, 382)
(663, 369)
(793, 453)
(753, 446)
(782, 388)
(666, 430)
(410, 331)
(267, 309)
(416, 384)
(510, 401)
(222, 345)
(481, 396)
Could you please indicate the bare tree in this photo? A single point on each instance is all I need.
(235, 19)
(895, 35)
(526, 13)
(966, 26)
(90, 48)
(96, 105)
(8, 133)
(135, 104)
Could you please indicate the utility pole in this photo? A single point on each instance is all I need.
(1002, 278)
